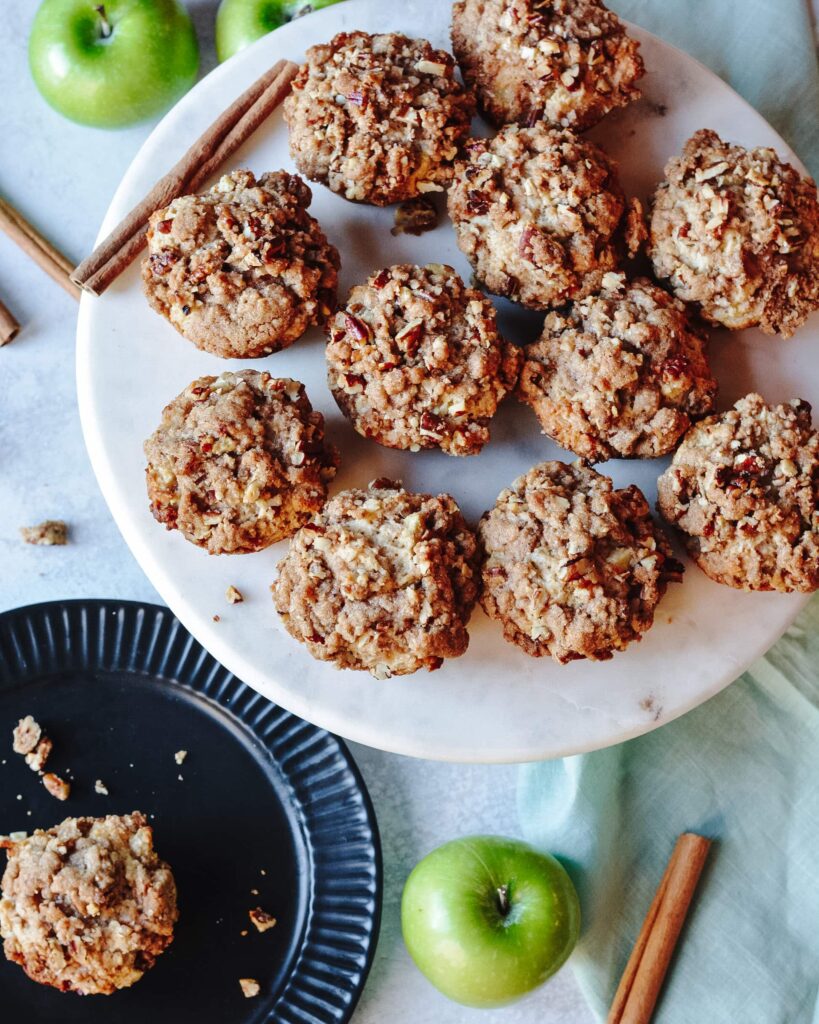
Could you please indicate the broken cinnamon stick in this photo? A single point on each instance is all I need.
(645, 971)
(227, 133)
(40, 250)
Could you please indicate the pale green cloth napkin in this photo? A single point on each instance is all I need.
(765, 49)
(744, 767)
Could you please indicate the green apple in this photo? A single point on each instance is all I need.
(112, 64)
(488, 919)
(241, 22)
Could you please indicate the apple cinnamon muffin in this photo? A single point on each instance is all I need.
(618, 374)
(737, 231)
(377, 118)
(565, 62)
(242, 270)
(573, 568)
(87, 906)
(381, 580)
(541, 216)
(743, 488)
(415, 360)
(238, 462)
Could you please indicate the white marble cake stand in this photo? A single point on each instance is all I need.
(493, 704)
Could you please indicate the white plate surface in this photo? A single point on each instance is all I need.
(493, 704)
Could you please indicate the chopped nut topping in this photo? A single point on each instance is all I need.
(233, 595)
(250, 987)
(261, 919)
(430, 67)
(56, 786)
(48, 533)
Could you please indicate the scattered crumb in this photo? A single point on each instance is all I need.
(263, 872)
(19, 796)
(261, 919)
(233, 595)
(181, 778)
(56, 786)
(180, 756)
(26, 735)
(250, 987)
(254, 892)
(217, 618)
(52, 531)
(243, 933)
(100, 787)
(415, 216)
(36, 760)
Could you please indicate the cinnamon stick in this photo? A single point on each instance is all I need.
(227, 133)
(33, 244)
(645, 971)
(9, 327)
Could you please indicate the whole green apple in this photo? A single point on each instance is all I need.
(241, 22)
(113, 64)
(488, 919)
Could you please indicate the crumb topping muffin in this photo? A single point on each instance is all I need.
(743, 488)
(238, 462)
(565, 62)
(377, 118)
(415, 360)
(242, 270)
(737, 231)
(87, 906)
(382, 580)
(540, 215)
(573, 568)
(618, 374)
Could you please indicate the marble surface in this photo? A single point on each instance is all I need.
(62, 177)
(704, 635)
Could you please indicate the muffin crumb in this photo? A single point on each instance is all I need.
(233, 595)
(49, 533)
(57, 787)
(261, 920)
(250, 987)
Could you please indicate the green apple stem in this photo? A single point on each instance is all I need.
(105, 24)
(503, 899)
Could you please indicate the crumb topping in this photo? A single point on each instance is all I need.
(414, 360)
(618, 374)
(377, 118)
(573, 568)
(87, 906)
(540, 215)
(239, 461)
(744, 489)
(737, 231)
(566, 62)
(382, 580)
(241, 270)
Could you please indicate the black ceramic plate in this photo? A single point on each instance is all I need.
(269, 811)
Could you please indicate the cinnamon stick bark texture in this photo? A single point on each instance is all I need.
(210, 151)
(645, 971)
(38, 248)
(9, 327)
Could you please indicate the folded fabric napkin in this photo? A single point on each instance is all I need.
(744, 767)
(765, 49)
